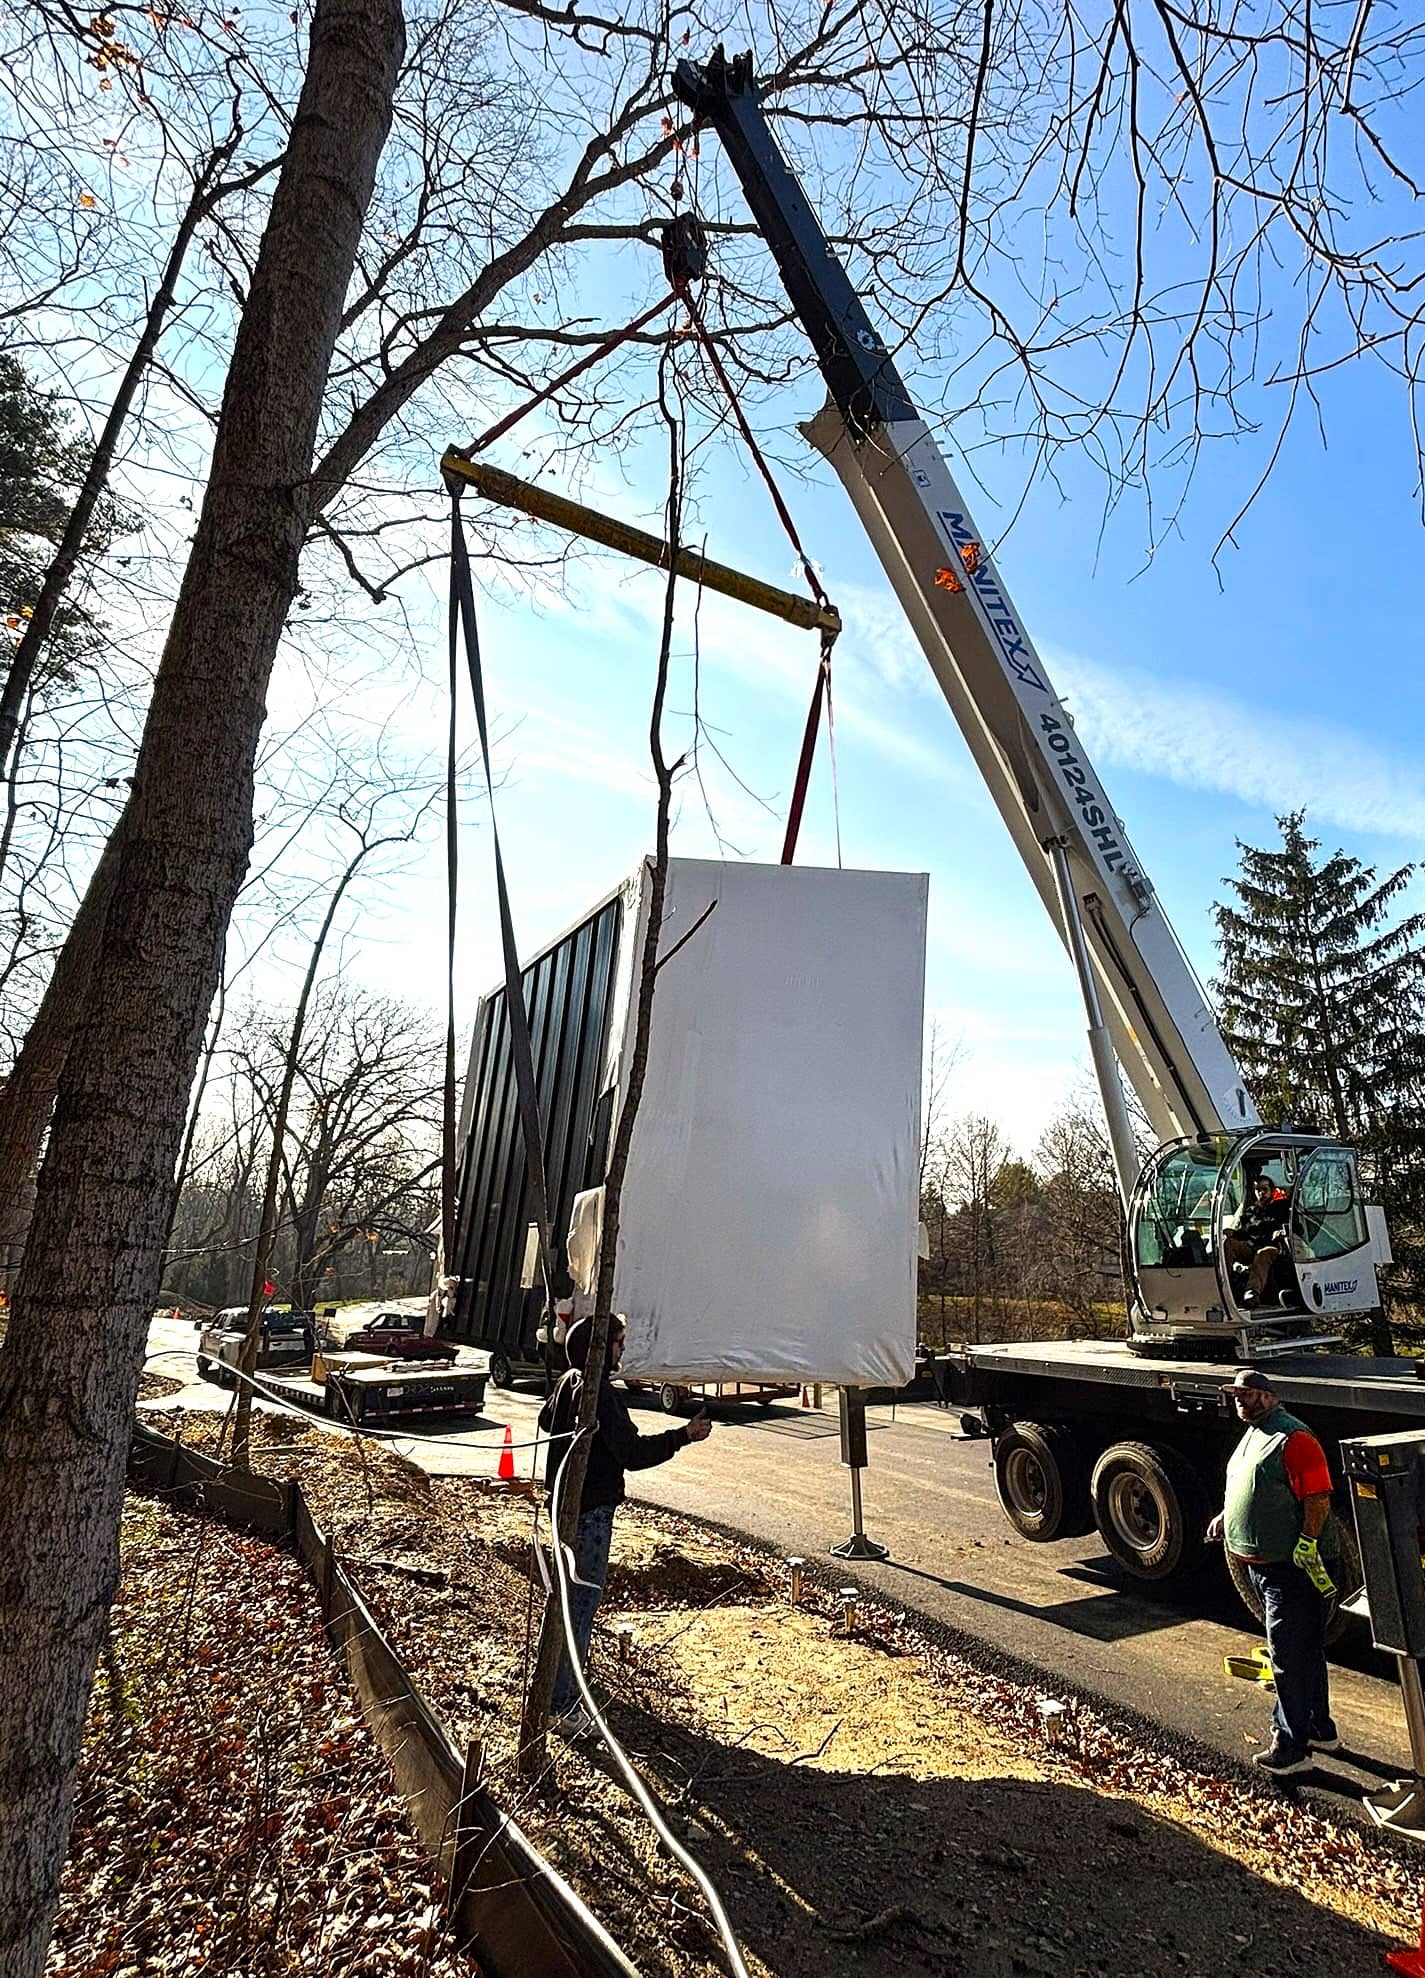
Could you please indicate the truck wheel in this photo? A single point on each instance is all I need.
(502, 1374)
(1349, 1580)
(670, 1398)
(1042, 1481)
(1150, 1508)
(205, 1368)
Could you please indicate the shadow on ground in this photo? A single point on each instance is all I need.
(827, 1872)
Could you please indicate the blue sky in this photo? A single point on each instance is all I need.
(1209, 706)
(1212, 696)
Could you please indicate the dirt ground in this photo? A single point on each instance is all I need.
(862, 1799)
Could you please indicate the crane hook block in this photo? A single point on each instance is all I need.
(685, 250)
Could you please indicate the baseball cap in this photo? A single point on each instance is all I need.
(1248, 1377)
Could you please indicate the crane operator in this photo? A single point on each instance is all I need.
(1255, 1238)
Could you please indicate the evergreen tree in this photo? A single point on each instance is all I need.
(1321, 995)
(41, 465)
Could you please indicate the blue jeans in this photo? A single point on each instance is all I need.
(591, 1564)
(1296, 1642)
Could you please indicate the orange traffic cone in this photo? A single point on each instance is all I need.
(506, 1471)
(1411, 1962)
(806, 1399)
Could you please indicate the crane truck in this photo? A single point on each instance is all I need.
(1129, 1437)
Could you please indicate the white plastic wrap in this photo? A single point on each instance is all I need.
(770, 1215)
(586, 1224)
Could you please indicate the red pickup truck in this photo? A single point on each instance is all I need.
(399, 1336)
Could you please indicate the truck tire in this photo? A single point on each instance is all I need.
(205, 1368)
(1150, 1507)
(670, 1398)
(1042, 1481)
(1349, 1580)
(502, 1374)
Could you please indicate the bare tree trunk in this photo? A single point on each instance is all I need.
(551, 1631)
(267, 1222)
(205, 1072)
(207, 191)
(69, 1366)
(28, 1097)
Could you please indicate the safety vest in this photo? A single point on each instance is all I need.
(1261, 1517)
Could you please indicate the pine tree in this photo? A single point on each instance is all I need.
(1321, 995)
(41, 465)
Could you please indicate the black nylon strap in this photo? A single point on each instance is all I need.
(452, 878)
(462, 620)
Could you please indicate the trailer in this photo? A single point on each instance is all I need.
(377, 1393)
(678, 1397)
(1091, 1436)
(769, 1212)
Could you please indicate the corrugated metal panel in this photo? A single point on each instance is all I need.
(567, 994)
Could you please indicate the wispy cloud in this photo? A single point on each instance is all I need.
(1205, 739)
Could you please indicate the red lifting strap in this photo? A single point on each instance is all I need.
(822, 690)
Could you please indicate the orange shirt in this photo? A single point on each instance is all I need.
(1305, 1463)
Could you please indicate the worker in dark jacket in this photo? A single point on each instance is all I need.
(1277, 1520)
(617, 1446)
(1255, 1238)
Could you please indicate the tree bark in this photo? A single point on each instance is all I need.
(28, 1097)
(70, 1364)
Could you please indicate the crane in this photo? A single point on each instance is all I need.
(1145, 1009)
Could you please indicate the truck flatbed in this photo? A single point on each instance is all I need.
(1309, 1382)
(376, 1393)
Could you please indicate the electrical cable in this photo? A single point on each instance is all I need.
(565, 1572)
(284, 1404)
(625, 1764)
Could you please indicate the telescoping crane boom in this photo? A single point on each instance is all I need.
(1146, 1010)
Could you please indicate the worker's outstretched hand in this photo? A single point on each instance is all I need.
(699, 1429)
(1307, 1555)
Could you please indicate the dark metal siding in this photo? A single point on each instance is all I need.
(567, 994)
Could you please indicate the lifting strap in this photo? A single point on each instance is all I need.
(462, 622)
(684, 247)
(821, 692)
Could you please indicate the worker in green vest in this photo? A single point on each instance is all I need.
(1276, 1518)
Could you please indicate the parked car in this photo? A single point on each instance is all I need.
(289, 1339)
(400, 1336)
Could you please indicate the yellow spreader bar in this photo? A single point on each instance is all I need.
(510, 492)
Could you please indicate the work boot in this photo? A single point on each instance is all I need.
(1279, 1762)
(575, 1722)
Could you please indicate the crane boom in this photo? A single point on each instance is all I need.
(1144, 1003)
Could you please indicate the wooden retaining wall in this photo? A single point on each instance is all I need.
(508, 1907)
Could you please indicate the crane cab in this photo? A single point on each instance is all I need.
(1198, 1269)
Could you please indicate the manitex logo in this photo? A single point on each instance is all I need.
(1094, 812)
(1343, 1287)
(1003, 623)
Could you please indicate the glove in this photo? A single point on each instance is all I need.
(1306, 1555)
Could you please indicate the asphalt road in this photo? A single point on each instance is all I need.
(929, 1495)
